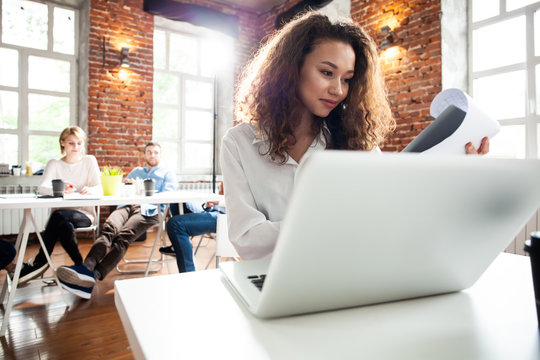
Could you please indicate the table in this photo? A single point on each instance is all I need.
(197, 316)
(10, 286)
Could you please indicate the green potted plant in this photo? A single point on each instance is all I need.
(111, 178)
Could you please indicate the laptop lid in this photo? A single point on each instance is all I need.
(366, 228)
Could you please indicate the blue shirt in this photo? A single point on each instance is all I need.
(164, 179)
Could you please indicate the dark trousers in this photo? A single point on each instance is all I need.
(122, 227)
(7, 253)
(61, 226)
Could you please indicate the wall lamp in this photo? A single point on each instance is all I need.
(388, 35)
(124, 61)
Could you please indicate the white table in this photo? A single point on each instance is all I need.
(197, 316)
(28, 224)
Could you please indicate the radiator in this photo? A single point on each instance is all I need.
(199, 186)
(10, 220)
(517, 245)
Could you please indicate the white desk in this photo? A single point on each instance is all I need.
(194, 316)
(28, 224)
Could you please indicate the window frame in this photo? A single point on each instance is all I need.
(181, 106)
(23, 130)
(531, 119)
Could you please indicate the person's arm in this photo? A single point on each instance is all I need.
(45, 186)
(169, 182)
(251, 233)
(93, 180)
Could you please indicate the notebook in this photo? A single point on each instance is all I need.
(364, 228)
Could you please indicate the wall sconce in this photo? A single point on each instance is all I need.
(388, 37)
(124, 61)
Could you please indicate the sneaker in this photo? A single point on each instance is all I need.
(31, 271)
(167, 250)
(78, 275)
(80, 291)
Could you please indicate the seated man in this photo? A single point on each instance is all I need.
(123, 226)
(196, 220)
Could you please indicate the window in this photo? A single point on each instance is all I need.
(185, 74)
(37, 79)
(505, 72)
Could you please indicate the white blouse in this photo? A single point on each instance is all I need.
(80, 174)
(257, 189)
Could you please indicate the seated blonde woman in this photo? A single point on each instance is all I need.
(80, 173)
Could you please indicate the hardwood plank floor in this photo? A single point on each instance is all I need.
(42, 327)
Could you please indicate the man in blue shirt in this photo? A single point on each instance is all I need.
(123, 226)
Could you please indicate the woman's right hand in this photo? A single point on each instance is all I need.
(69, 188)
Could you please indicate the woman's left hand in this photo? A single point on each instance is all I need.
(482, 150)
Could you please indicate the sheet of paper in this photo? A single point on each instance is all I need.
(79, 196)
(474, 127)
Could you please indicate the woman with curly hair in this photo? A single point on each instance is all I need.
(313, 85)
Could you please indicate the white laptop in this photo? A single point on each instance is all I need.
(366, 228)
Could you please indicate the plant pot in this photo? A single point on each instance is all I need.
(111, 184)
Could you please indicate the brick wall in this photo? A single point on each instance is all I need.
(119, 104)
(413, 68)
(120, 111)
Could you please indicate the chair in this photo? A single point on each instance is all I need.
(94, 227)
(224, 248)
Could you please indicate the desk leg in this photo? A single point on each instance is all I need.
(160, 235)
(42, 243)
(22, 241)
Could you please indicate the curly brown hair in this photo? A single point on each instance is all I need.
(267, 93)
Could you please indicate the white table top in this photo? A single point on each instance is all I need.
(196, 316)
(159, 198)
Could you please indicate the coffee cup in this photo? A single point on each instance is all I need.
(58, 187)
(149, 185)
(532, 246)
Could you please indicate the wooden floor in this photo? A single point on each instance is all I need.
(42, 327)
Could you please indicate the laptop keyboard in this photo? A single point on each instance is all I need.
(257, 280)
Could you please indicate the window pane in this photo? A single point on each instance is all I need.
(165, 88)
(484, 9)
(165, 123)
(9, 105)
(169, 155)
(199, 94)
(537, 33)
(64, 31)
(538, 140)
(516, 4)
(24, 23)
(48, 112)
(199, 125)
(160, 52)
(487, 50)
(209, 57)
(9, 149)
(9, 67)
(198, 156)
(502, 96)
(48, 74)
(508, 143)
(43, 148)
(183, 54)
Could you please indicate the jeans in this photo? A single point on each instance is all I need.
(181, 227)
(61, 226)
(121, 228)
